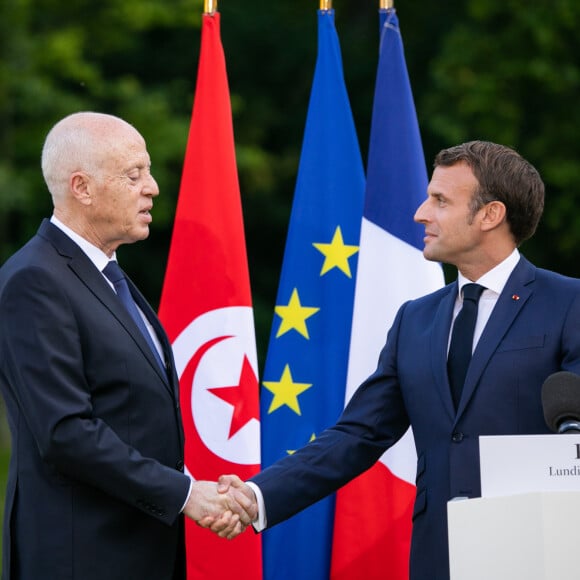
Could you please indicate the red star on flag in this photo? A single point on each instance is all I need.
(241, 397)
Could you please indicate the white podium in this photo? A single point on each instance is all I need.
(525, 525)
(531, 536)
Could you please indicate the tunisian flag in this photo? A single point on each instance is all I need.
(206, 309)
(372, 521)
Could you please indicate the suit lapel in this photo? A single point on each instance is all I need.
(89, 275)
(515, 294)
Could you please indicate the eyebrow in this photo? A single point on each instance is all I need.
(435, 194)
(138, 165)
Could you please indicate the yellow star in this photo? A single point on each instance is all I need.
(286, 392)
(292, 451)
(336, 254)
(294, 316)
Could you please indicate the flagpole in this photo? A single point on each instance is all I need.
(210, 6)
(386, 4)
(325, 4)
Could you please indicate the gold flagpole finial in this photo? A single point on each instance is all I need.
(325, 4)
(210, 6)
(386, 4)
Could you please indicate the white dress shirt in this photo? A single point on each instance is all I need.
(494, 282)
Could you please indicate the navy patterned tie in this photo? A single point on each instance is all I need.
(461, 346)
(114, 273)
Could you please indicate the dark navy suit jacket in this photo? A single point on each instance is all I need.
(533, 331)
(96, 478)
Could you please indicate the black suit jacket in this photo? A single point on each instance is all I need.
(96, 480)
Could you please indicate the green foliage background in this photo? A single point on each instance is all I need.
(503, 70)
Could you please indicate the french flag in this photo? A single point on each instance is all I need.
(372, 527)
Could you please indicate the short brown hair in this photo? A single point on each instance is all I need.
(503, 175)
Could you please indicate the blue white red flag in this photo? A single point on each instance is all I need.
(373, 512)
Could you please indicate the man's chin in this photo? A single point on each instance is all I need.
(433, 256)
(136, 235)
(143, 233)
(429, 255)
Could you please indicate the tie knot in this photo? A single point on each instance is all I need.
(472, 292)
(113, 272)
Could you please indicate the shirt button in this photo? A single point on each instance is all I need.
(457, 437)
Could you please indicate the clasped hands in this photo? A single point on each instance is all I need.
(227, 507)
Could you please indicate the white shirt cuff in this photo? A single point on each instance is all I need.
(260, 523)
(187, 497)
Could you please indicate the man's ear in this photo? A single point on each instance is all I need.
(494, 214)
(80, 187)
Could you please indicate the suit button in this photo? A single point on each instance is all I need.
(457, 437)
(179, 465)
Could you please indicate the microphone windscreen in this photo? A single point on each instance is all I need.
(561, 398)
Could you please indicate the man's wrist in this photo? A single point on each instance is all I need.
(187, 497)
(260, 523)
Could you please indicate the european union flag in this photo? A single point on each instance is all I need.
(305, 371)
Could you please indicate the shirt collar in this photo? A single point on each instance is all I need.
(497, 277)
(95, 255)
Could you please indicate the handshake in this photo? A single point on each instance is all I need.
(227, 507)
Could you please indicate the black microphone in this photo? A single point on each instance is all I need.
(561, 402)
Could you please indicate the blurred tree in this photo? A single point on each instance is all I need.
(510, 72)
(505, 70)
(57, 58)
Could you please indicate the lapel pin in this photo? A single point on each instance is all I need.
(515, 297)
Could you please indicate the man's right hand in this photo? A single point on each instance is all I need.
(241, 498)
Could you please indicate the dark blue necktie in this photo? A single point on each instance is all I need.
(461, 345)
(114, 273)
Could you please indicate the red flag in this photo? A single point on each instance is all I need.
(206, 309)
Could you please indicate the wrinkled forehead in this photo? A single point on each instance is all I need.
(121, 150)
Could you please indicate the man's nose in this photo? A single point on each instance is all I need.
(421, 213)
(152, 188)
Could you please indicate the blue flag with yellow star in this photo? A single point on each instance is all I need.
(304, 378)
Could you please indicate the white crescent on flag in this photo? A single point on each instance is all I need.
(228, 428)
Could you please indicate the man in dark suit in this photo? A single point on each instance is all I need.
(482, 202)
(96, 487)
